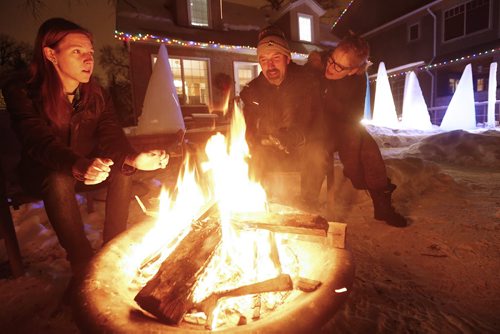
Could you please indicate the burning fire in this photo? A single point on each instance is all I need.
(244, 256)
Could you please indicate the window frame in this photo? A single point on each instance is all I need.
(255, 66)
(465, 34)
(311, 21)
(209, 75)
(209, 18)
(419, 31)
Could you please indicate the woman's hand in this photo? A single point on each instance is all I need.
(150, 160)
(92, 171)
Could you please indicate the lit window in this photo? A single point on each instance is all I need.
(245, 76)
(467, 18)
(453, 84)
(198, 11)
(305, 27)
(480, 85)
(244, 72)
(190, 80)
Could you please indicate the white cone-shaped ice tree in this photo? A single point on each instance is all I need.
(384, 109)
(461, 112)
(161, 111)
(415, 113)
(492, 94)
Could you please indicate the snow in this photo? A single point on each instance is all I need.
(438, 275)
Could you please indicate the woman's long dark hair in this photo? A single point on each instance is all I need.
(45, 78)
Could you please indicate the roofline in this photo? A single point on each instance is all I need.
(402, 18)
(315, 6)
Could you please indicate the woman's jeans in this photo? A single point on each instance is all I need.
(58, 191)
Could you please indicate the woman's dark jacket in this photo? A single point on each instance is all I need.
(90, 132)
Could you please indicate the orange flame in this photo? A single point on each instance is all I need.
(244, 255)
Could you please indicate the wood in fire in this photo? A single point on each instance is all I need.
(282, 282)
(297, 223)
(168, 295)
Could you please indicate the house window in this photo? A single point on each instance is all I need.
(452, 85)
(244, 72)
(190, 80)
(480, 85)
(198, 13)
(477, 16)
(305, 27)
(414, 32)
(465, 19)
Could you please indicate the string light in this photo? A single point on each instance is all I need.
(444, 63)
(123, 36)
(342, 14)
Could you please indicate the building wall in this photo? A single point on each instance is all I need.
(141, 67)
(393, 47)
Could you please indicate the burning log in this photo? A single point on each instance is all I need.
(168, 295)
(306, 284)
(289, 223)
(280, 283)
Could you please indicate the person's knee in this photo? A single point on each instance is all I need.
(116, 177)
(58, 181)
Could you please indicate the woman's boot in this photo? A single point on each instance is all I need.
(383, 209)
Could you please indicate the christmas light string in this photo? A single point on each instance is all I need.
(122, 36)
(342, 14)
(444, 63)
(235, 48)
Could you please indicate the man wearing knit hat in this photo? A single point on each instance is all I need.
(282, 109)
(274, 56)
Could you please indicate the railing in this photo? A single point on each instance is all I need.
(437, 113)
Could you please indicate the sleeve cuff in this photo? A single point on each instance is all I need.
(127, 169)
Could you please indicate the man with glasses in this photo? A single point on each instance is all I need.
(344, 97)
(282, 109)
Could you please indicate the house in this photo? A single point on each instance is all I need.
(210, 40)
(436, 39)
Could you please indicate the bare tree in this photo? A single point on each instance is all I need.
(35, 6)
(276, 4)
(115, 61)
(14, 56)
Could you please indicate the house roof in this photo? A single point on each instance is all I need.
(320, 11)
(241, 24)
(365, 16)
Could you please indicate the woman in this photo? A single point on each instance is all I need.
(344, 97)
(70, 136)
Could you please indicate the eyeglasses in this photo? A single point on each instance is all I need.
(337, 67)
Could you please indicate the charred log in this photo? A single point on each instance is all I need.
(168, 295)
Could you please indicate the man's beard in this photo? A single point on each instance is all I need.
(274, 76)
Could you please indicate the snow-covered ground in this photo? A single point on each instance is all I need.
(438, 275)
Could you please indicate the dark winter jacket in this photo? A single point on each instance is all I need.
(90, 133)
(290, 112)
(344, 99)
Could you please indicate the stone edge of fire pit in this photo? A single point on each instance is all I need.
(105, 305)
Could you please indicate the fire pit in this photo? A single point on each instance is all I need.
(225, 260)
(106, 300)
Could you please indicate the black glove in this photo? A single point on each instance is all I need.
(291, 138)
